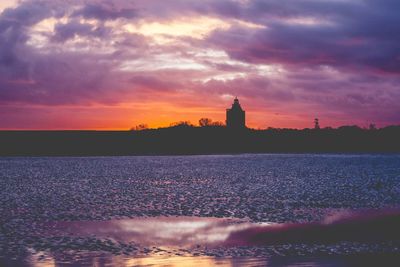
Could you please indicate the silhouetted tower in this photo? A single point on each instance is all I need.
(235, 116)
(316, 124)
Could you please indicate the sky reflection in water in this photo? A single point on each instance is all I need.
(174, 241)
(159, 231)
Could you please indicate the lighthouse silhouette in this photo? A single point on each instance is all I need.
(235, 116)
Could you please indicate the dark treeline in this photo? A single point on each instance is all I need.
(186, 139)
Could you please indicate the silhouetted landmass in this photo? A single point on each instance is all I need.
(186, 139)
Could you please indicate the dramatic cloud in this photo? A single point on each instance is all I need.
(73, 29)
(104, 12)
(362, 34)
(288, 61)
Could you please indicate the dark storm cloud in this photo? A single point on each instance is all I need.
(353, 34)
(52, 76)
(65, 31)
(57, 79)
(341, 34)
(26, 14)
(14, 23)
(259, 9)
(104, 12)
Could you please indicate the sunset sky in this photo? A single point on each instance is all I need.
(114, 64)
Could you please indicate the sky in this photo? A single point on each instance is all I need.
(114, 64)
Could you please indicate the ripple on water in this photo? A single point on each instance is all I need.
(255, 188)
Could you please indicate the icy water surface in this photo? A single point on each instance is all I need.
(129, 211)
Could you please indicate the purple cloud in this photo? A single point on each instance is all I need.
(353, 35)
(105, 12)
(65, 31)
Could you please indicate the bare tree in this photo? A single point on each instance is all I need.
(204, 122)
(140, 127)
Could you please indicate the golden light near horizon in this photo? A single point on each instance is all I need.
(165, 32)
(181, 261)
(170, 260)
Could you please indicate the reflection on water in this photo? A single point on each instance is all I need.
(176, 261)
(183, 232)
(368, 226)
(196, 241)
(124, 261)
(189, 232)
(186, 261)
(160, 241)
(181, 261)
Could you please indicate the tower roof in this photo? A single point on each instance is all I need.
(236, 104)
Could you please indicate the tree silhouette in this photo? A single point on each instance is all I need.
(204, 122)
(181, 124)
(140, 127)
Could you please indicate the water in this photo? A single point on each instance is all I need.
(252, 188)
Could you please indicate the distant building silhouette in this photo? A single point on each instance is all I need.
(235, 116)
(316, 124)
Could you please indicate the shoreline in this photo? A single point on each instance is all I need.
(210, 154)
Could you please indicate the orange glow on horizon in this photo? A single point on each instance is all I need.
(168, 108)
(154, 115)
